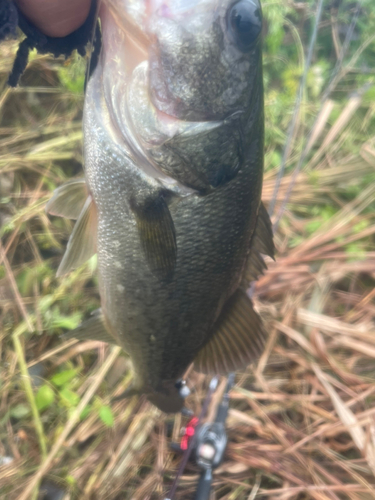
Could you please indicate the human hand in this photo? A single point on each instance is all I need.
(55, 18)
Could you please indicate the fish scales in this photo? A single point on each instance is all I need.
(210, 256)
(174, 171)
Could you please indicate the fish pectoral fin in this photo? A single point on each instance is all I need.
(237, 340)
(93, 328)
(157, 235)
(261, 243)
(82, 242)
(68, 200)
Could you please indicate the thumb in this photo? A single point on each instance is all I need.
(55, 18)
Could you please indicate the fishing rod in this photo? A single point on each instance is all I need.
(206, 442)
(293, 122)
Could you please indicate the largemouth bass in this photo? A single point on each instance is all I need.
(171, 200)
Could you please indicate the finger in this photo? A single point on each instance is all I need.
(56, 18)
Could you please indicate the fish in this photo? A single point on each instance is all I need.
(171, 199)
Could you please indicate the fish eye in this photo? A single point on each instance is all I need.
(245, 23)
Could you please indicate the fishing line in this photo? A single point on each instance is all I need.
(330, 87)
(336, 70)
(293, 123)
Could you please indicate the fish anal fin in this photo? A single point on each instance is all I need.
(82, 242)
(238, 338)
(157, 235)
(94, 328)
(68, 199)
(261, 243)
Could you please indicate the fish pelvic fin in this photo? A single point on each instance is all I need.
(157, 235)
(238, 338)
(82, 242)
(68, 200)
(168, 402)
(94, 328)
(128, 393)
(261, 243)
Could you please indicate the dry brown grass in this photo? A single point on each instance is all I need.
(301, 424)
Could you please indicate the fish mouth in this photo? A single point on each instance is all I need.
(138, 48)
(151, 132)
(142, 45)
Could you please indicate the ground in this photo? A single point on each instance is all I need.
(301, 423)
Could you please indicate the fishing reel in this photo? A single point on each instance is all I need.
(211, 442)
(210, 446)
(207, 443)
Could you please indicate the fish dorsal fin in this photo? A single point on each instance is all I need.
(261, 243)
(68, 200)
(238, 338)
(157, 235)
(82, 242)
(94, 328)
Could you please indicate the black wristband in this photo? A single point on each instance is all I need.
(11, 17)
(8, 19)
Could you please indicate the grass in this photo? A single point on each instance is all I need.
(301, 423)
